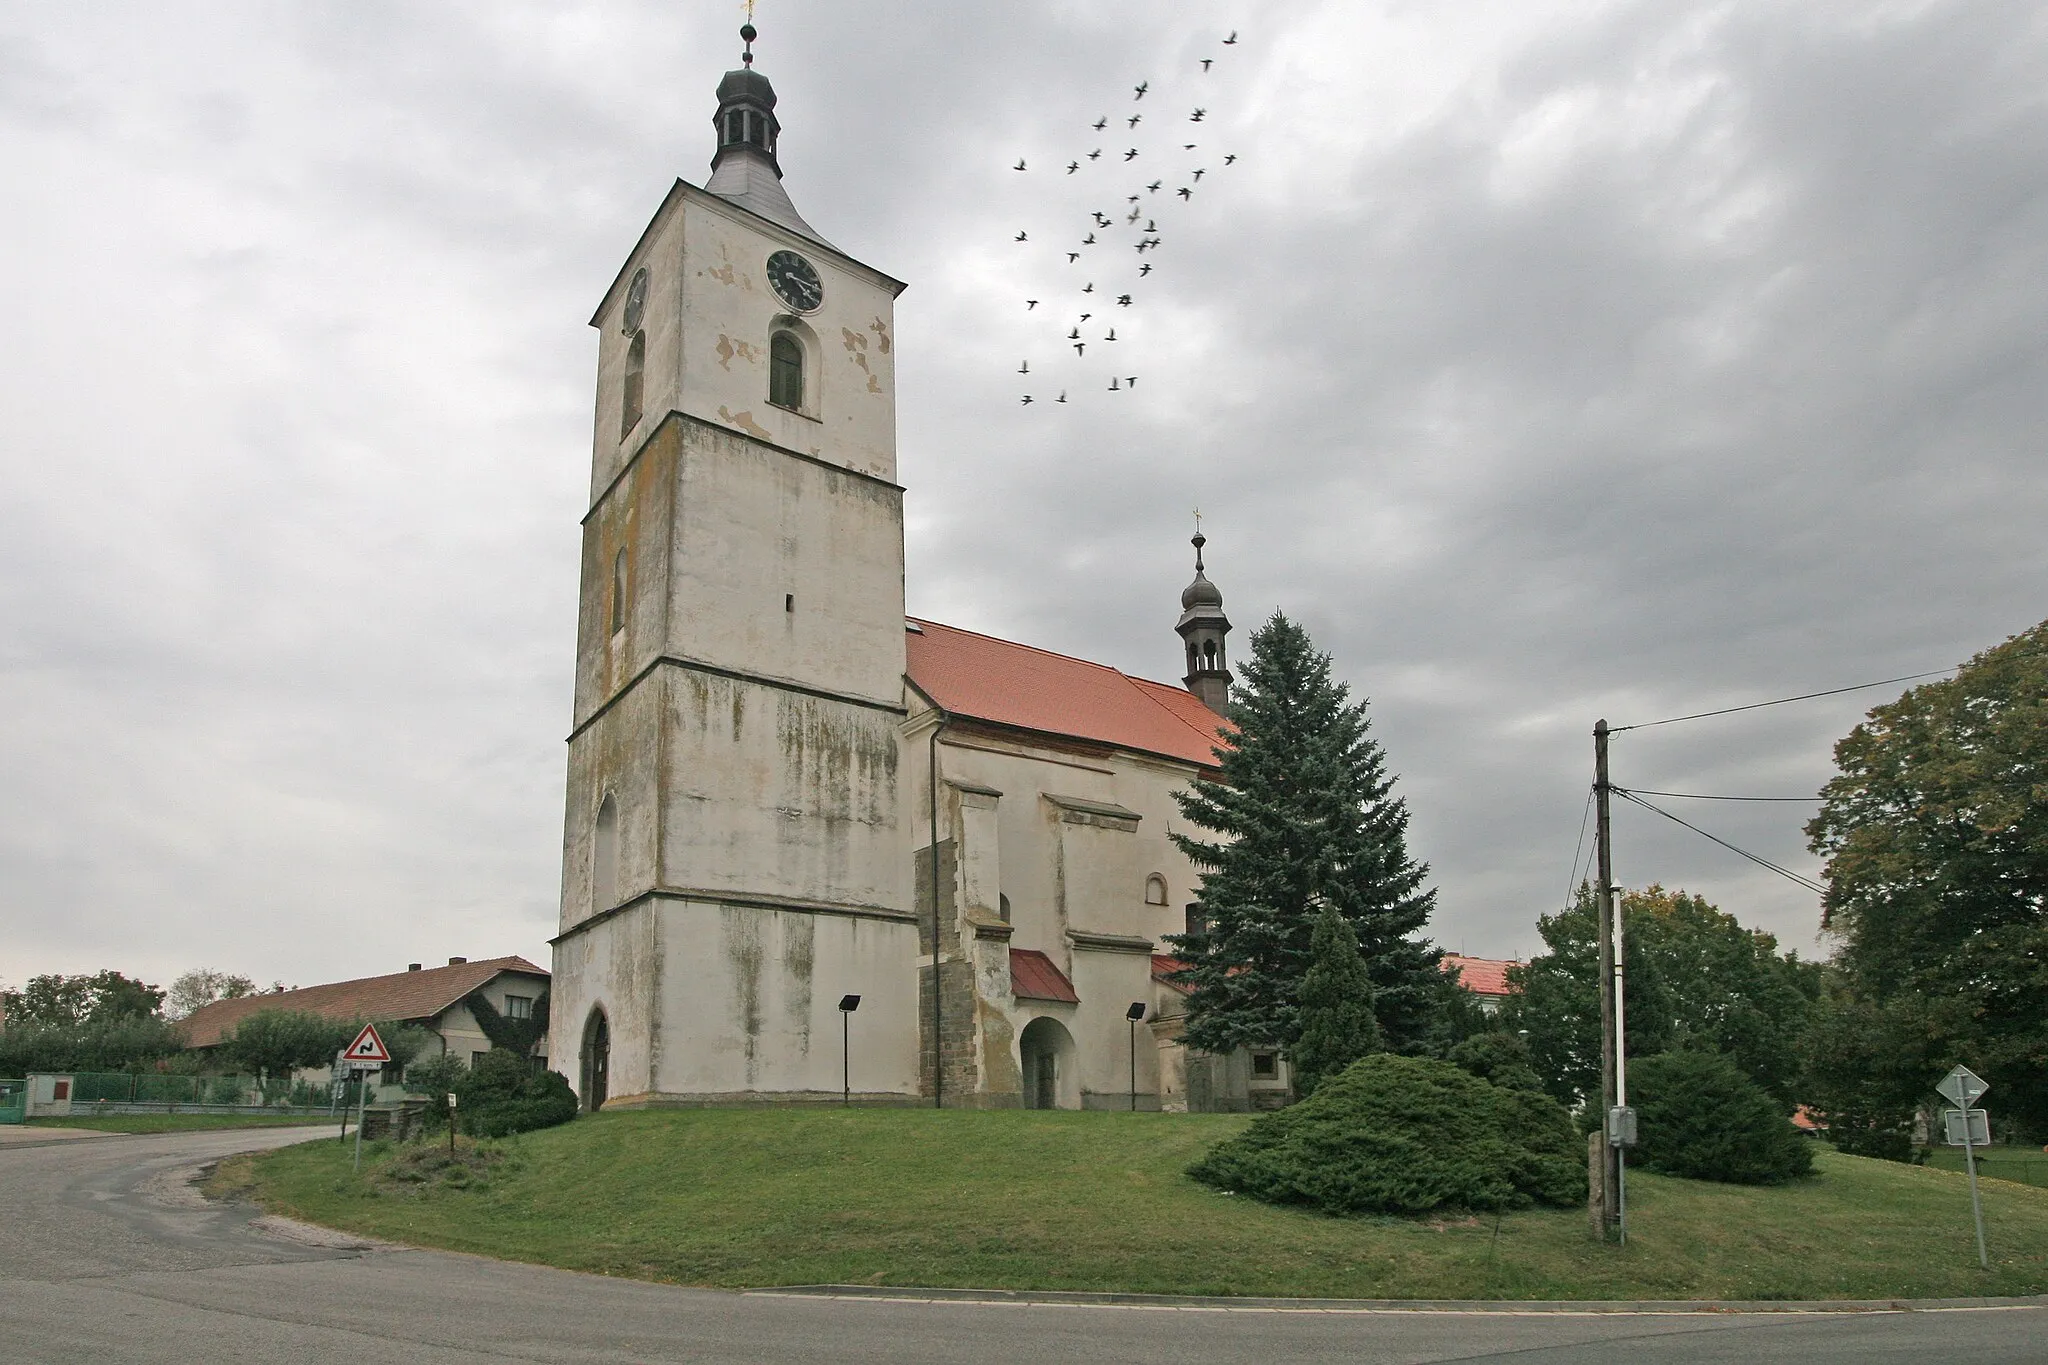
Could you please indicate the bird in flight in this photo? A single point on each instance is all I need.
(1025, 368)
(1131, 154)
(1062, 398)
(1113, 385)
(1187, 146)
(1020, 236)
(1084, 318)
(1130, 381)
(1145, 269)
(1089, 240)
(1143, 86)
(1154, 186)
(1074, 335)
(1073, 166)
(1088, 288)
(1133, 218)
(1132, 121)
(1151, 225)
(1123, 300)
(1206, 61)
(1102, 123)
(1197, 116)
(1231, 41)
(1199, 174)
(1184, 192)
(1095, 155)
(1030, 304)
(1073, 256)
(1027, 400)
(1020, 164)
(1080, 348)
(1228, 159)
(1101, 218)
(1111, 336)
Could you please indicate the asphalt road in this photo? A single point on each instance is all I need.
(107, 1255)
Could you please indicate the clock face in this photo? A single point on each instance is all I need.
(795, 281)
(636, 300)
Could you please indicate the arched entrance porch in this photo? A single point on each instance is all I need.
(1048, 1061)
(597, 1060)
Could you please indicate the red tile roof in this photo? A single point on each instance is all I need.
(1034, 689)
(1033, 977)
(1481, 975)
(1164, 967)
(402, 995)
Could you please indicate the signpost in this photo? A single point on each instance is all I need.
(366, 1054)
(1965, 1087)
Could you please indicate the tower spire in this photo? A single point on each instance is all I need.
(1201, 628)
(744, 169)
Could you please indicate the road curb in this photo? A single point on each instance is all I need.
(1228, 1304)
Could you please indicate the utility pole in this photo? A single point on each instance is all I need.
(1603, 903)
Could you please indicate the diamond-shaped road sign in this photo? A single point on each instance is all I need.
(1963, 1085)
(368, 1050)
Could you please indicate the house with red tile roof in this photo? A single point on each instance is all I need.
(433, 998)
(1485, 977)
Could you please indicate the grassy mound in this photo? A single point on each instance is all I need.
(1028, 1200)
(1406, 1135)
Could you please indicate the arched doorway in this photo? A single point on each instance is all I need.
(1051, 1079)
(597, 1061)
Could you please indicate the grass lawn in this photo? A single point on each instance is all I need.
(176, 1123)
(1031, 1200)
(2028, 1165)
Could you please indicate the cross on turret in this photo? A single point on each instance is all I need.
(1202, 627)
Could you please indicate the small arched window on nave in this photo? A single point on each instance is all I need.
(786, 371)
(1155, 890)
(636, 379)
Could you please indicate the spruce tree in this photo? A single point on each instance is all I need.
(1302, 814)
(1337, 1023)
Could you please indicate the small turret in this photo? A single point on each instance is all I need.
(1202, 627)
(744, 169)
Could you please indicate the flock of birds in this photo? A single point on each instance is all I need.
(1099, 283)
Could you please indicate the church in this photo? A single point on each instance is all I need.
(814, 850)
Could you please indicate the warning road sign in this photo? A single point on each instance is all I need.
(1963, 1085)
(367, 1050)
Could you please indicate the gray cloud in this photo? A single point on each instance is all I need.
(1558, 361)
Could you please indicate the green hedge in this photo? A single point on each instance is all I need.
(1699, 1116)
(1405, 1135)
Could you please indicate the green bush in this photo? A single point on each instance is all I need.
(1699, 1117)
(506, 1092)
(1500, 1057)
(1393, 1134)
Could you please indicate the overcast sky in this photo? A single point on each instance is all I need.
(1550, 361)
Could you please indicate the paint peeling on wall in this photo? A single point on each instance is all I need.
(745, 422)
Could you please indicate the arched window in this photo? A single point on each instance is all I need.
(604, 856)
(636, 373)
(1003, 906)
(1209, 655)
(786, 372)
(1155, 890)
(619, 592)
(1197, 920)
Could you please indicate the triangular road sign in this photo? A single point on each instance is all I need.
(368, 1049)
(1963, 1085)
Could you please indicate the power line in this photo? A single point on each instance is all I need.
(1780, 701)
(1573, 884)
(1786, 873)
(1696, 796)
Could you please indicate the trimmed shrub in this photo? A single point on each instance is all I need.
(1393, 1134)
(506, 1092)
(1699, 1117)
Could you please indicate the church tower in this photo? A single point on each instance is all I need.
(731, 863)
(1201, 628)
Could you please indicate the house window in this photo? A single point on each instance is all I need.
(636, 370)
(619, 591)
(1265, 1065)
(519, 1007)
(786, 371)
(1155, 890)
